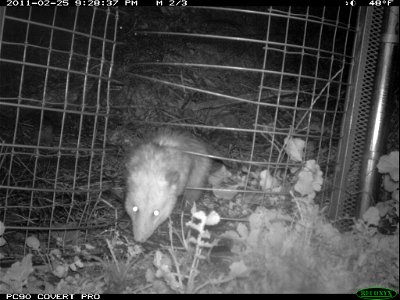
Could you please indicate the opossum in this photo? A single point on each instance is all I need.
(158, 172)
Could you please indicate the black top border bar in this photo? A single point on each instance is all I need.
(160, 3)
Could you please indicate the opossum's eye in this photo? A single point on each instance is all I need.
(156, 213)
(135, 209)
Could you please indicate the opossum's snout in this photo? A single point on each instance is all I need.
(144, 224)
(147, 215)
(140, 239)
(140, 235)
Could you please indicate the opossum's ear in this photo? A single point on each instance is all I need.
(172, 177)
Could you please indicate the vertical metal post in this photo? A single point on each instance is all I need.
(376, 132)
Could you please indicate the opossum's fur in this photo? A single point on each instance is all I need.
(157, 173)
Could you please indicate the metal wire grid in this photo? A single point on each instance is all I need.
(37, 48)
(326, 89)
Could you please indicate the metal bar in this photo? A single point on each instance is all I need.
(377, 133)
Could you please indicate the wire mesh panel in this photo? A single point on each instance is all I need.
(55, 67)
(250, 80)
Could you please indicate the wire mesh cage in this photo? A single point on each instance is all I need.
(55, 70)
(249, 81)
